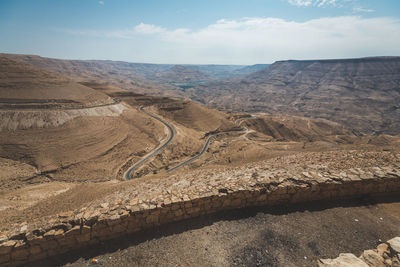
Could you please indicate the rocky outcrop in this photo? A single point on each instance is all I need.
(25, 119)
(386, 254)
(154, 202)
(361, 94)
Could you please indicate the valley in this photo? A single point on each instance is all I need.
(85, 142)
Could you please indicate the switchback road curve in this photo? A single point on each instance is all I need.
(128, 173)
(204, 149)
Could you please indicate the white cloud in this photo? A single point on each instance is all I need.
(319, 3)
(261, 40)
(148, 29)
(364, 10)
(101, 2)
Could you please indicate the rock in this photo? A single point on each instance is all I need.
(3, 238)
(344, 260)
(4, 258)
(66, 214)
(50, 233)
(394, 244)
(33, 250)
(383, 249)
(58, 233)
(20, 254)
(372, 258)
(6, 247)
(74, 231)
(104, 205)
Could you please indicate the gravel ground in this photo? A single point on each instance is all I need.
(295, 236)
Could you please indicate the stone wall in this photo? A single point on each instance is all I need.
(104, 221)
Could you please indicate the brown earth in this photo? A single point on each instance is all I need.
(133, 76)
(362, 94)
(23, 85)
(179, 73)
(195, 116)
(62, 158)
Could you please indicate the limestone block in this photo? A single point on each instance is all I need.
(372, 258)
(151, 219)
(113, 220)
(67, 241)
(119, 228)
(36, 249)
(344, 260)
(236, 202)
(83, 238)
(383, 249)
(193, 211)
(36, 240)
(48, 244)
(262, 198)
(178, 213)
(59, 234)
(85, 229)
(76, 230)
(21, 253)
(394, 244)
(50, 234)
(5, 258)
(39, 256)
(6, 247)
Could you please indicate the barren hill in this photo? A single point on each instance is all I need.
(195, 116)
(133, 76)
(25, 85)
(292, 128)
(54, 128)
(361, 93)
(179, 73)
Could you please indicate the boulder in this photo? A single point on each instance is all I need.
(344, 260)
(372, 258)
(394, 244)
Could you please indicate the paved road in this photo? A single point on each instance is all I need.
(204, 149)
(128, 173)
(20, 107)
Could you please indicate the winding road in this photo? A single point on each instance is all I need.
(204, 149)
(128, 173)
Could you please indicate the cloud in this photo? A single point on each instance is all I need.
(362, 10)
(148, 29)
(319, 3)
(262, 40)
(101, 2)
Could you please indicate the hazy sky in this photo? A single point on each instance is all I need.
(201, 31)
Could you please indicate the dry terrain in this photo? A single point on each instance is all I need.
(362, 94)
(66, 141)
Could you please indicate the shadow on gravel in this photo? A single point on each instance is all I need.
(206, 220)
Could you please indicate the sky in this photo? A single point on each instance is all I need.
(242, 32)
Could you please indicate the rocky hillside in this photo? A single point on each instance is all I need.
(23, 85)
(179, 73)
(360, 93)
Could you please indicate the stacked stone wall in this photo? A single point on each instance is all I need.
(88, 226)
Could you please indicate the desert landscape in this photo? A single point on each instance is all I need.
(129, 148)
(262, 160)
